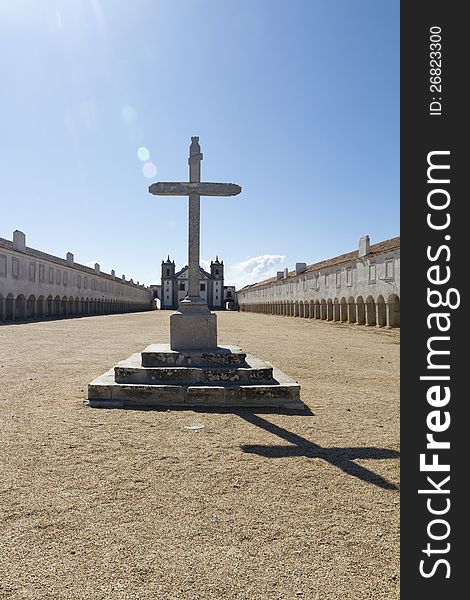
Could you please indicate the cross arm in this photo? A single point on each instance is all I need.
(173, 188)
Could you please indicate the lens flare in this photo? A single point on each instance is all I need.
(149, 170)
(143, 154)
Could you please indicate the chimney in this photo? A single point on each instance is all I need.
(70, 259)
(124, 278)
(279, 274)
(364, 245)
(19, 241)
(97, 268)
(300, 268)
(286, 273)
(113, 273)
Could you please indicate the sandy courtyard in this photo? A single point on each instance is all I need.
(119, 504)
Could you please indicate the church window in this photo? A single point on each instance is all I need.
(202, 287)
(217, 297)
(229, 294)
(168, 272)
(182, 286)
(217, 271)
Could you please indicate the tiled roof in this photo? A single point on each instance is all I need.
(8, 245)
(380, 248)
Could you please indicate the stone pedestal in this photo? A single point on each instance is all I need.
(193, 326)
(220, 377)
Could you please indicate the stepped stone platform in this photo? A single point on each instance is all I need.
(224, 377)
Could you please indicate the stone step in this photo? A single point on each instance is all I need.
(160, 355)
(283, 392)
(254, 371)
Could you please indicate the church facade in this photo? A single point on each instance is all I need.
(174, 286)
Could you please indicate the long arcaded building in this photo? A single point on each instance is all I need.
(360, 287)
(34, 284)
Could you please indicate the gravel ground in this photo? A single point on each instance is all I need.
(119, 504)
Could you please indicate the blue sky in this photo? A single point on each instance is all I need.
(296, 101)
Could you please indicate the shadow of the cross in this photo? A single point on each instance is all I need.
(339, 457)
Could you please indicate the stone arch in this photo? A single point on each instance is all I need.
(50, 306)
(381, 312)
(20, 307)
(329, 310)
(40, 307)
(351, 310)
(301, 309)
(86, 307)
(76, 306)
(9, 308)
(371, 318)
(64, 306)
(311, 309)
(393, 302)
(323, 311)
(31, 307)
(56, 306)
(336, 315)
(343, 310)
(316, 309)
(360, 311)
(296, 309)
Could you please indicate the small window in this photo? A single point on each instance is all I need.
(182, 287)
(217, 297)
(349, 276)
(202, 287)
(51, 275)
(326, 280)
(217, 271)
(229, 294)
(85, 282)
(65, 278)
(79, 281)
(3, 265)
(389, 269)
(338, 278)
(32, 271)
(15, 268)
(57, 276)
(372, 275)
(41, 272)
(168, 272)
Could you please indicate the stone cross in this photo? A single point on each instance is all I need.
(194, 189)
(193, 327)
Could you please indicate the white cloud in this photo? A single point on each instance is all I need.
(206, 265)
(253, 269)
